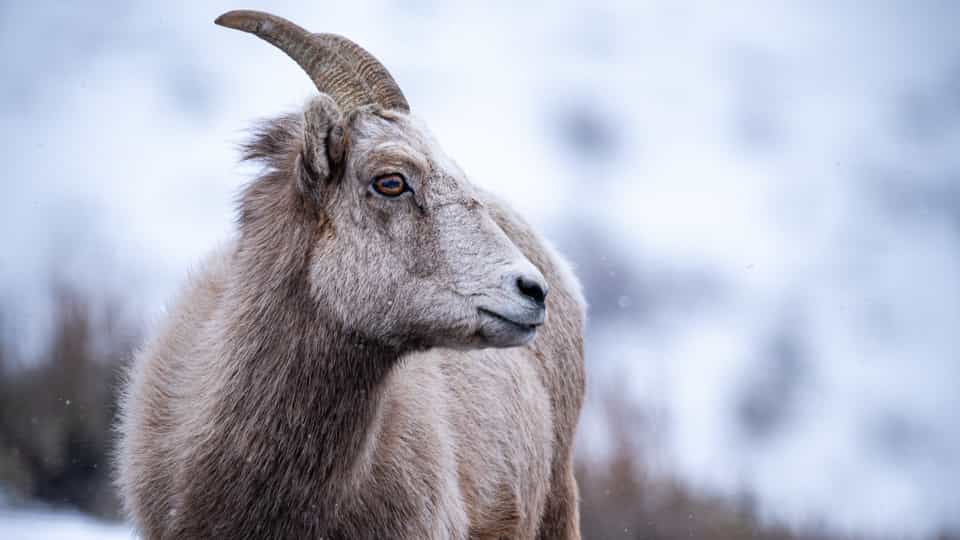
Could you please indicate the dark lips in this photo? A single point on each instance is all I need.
(525, 327)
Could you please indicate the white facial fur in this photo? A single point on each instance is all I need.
(427, 268)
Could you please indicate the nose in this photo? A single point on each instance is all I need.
(532, 287)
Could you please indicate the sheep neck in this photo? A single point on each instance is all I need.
(304, 392)
(320, 396)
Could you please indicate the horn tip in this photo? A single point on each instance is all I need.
(241, 19)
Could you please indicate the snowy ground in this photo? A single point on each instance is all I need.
(47, 525)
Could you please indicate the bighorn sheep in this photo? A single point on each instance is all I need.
(370, 357)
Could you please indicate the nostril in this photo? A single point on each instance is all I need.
(532, 289)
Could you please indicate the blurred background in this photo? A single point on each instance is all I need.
(762, 200)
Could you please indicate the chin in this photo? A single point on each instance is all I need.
(503, 342)
(488, 330)
(503, 335)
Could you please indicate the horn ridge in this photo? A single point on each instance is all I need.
(337, 66)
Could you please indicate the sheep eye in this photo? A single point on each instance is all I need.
(390, 185)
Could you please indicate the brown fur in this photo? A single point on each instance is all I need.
(326, 375)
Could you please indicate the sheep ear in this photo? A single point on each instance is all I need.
(323, 142)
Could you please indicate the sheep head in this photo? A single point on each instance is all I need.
(414, 256)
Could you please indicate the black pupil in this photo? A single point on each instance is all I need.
(391, 184)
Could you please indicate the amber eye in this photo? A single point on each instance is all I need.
(390, 185)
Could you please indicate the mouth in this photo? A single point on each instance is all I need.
(499, 330)
(521, 326)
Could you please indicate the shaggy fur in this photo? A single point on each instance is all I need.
(332, 372)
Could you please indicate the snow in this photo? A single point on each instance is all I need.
(47, 525)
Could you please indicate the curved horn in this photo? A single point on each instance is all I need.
(336, 65)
